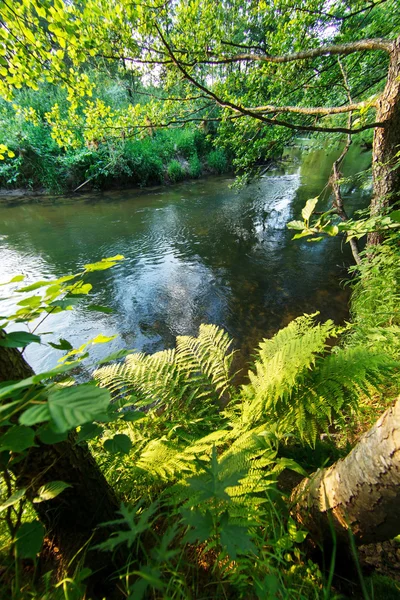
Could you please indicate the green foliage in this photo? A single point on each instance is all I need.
(175, 171)
(297, 383)
(375, 300)
(195, 166)
(217, 161)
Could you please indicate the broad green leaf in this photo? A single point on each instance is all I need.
(202, 526)
(38, 413)
(17, 439)
(88, 432)
(13, 499)
(309, 208)
(296, 225)
(120, 443)
(50, 490)
(395, 216)
(65, 303)
(47, 436)
(19, 339)
(31, 302)
(62, 345)
(134, 415)
(73, 406)
(29, 540)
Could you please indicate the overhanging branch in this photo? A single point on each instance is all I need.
(257, 115)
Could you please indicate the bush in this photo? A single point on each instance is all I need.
(217, 161)
(194, 166)
(175, 171)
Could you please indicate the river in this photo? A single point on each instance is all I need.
(195, 252)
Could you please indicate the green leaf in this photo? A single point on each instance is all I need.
(35, 286)
(65, 303)
(14, 280)
(73, 406)
(13, 499)
(35, 414)
(202, 525)
(395, 216)
(309, 208)
(120, 443)
(104, 263)
(296, 225)
(98, 308)
(235, 539)
(103, 339)
(50, 437)
(115, 356)
(50, 490)
(19, 339)
(133, 415)
(88, 432)
(62, 345)
(31, 302)
(29, 540)
(17, 439)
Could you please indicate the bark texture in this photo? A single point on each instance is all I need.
(72, 518)
(387, 141)
(360, 492)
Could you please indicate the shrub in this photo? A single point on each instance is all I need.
(175, 171)
(217, 161)
(194, 166)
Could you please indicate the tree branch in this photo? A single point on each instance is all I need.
(334, 50)
(248, 112)
(319, 110)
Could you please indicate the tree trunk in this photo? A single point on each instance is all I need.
(360, 492)
(71, 519)
(386, 144)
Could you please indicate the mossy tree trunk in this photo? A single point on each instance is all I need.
(385, 164)
(360, 492)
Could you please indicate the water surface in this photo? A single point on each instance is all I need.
(196, 252)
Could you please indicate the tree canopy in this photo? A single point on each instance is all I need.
(260, 71)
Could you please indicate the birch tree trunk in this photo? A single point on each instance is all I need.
(360, 492)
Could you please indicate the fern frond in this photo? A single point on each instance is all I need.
(281, 365)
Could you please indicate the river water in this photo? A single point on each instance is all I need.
(195, 252)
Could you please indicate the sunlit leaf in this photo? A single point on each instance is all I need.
(50, 490)
(13, 499)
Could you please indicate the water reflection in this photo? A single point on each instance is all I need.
(198, 252)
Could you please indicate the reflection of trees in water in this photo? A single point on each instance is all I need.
(197, 253)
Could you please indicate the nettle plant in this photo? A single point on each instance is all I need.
(44, 408)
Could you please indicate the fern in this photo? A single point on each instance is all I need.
(297, 383)
(281, 365)
(197, 369)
